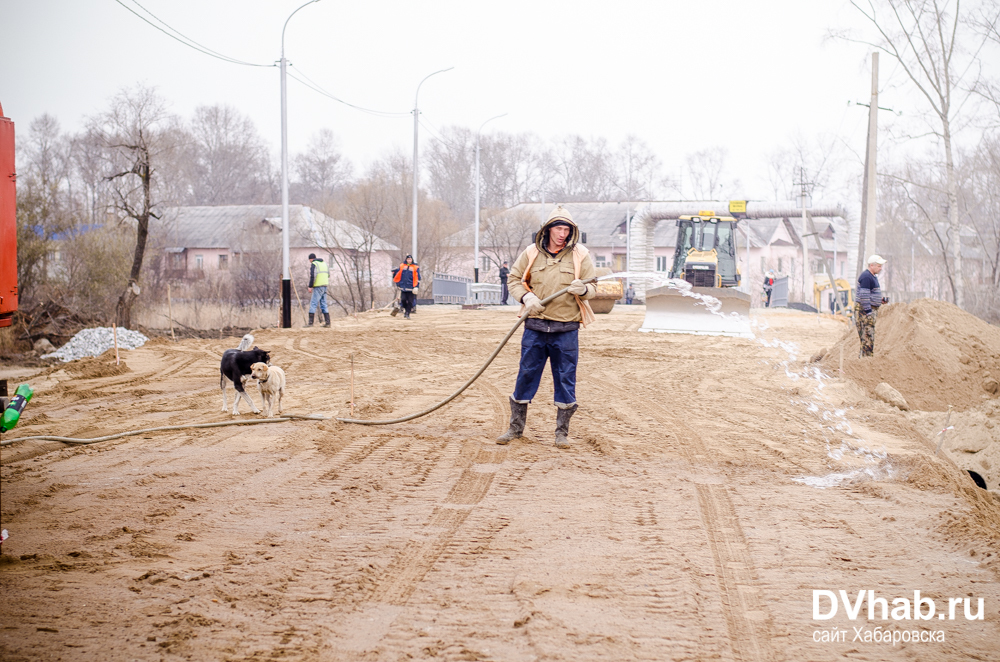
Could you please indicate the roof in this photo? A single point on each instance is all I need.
(229, 227)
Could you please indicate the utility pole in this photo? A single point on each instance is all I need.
(746, 227)
(475, 262)
(286, 274)
(416, 171)
(806, 271)
(866, 243)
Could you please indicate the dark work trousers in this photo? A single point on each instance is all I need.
(407, 300)
(504, 292)
(562, 350)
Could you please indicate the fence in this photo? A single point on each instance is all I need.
(450, 289)
(459, 289)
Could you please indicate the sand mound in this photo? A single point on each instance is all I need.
(932, 352)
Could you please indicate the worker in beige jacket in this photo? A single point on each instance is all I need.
(555, 261)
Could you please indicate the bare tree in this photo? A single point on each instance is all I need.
(135, 134)
(636, 169)
(979, 197)
(512, 168)
(44, 204)
(707, 174)
(506, 233)
(936, 44)
(451, 160)
(230, 160)
(256, 269)
(817, 160)
(352, 245)
(322, 172)
(583, 170)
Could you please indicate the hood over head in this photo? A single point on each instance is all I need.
(559, 216)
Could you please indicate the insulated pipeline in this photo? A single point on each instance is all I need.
(410, 417)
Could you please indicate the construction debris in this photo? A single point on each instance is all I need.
(94, 342)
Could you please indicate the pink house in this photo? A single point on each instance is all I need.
(206, 242)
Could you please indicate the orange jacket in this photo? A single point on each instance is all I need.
(403, 267)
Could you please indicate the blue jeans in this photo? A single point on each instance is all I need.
(318, 298)
(562, 350)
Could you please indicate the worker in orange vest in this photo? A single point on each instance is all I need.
(407, 279)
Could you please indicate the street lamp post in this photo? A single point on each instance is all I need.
(475, 260)
(286, 283)
(416, 123)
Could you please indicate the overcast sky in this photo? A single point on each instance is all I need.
(743, 74)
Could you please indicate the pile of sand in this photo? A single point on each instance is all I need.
(932, 352)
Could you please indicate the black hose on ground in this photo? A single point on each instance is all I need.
(83, 442)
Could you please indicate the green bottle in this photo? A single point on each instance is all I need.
(12, 414)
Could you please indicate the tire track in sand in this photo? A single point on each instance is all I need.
(747, 620)
(419, 555)
(497, 403)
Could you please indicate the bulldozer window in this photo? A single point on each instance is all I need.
(708, 234)
(725, 242)
(685, 234)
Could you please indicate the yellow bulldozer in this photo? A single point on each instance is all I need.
(821, 283)
(704, 257)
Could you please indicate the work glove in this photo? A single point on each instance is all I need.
(578, 287)
(532, 304)
(416, 289)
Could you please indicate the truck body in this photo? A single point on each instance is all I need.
(8, 223)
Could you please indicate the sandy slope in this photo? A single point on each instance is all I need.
(683, 524)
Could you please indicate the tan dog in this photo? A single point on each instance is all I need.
(271, 382)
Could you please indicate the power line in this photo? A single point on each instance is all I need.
(432, 132)
(187, 41)
(314, 86)
(176, 35)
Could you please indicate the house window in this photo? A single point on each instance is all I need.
(763, 263)
(600, 260)
(781, 265)
(485, 266)
(841, 268)
(223, 262)
(199, 262)
(661, 262)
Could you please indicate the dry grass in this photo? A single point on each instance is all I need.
(212, 315)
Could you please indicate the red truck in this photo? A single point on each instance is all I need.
(8, 223)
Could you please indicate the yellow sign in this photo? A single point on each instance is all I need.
(737, 206)
(706, 213)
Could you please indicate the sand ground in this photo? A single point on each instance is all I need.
(713, 485)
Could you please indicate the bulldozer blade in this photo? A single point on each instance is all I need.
(670, 311)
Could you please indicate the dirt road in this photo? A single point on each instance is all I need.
(714, 484)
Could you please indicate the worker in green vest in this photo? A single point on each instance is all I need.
(319, 278)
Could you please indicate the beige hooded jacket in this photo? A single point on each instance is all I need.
(549, 273)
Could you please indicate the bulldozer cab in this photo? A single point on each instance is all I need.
(705, 255)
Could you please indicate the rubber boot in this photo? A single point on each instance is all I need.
(326, 316)
(518, 417)
(312, 318)
(562, 425)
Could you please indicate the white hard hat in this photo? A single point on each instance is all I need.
(876, 259)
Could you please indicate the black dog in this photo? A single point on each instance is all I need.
(236, 367)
